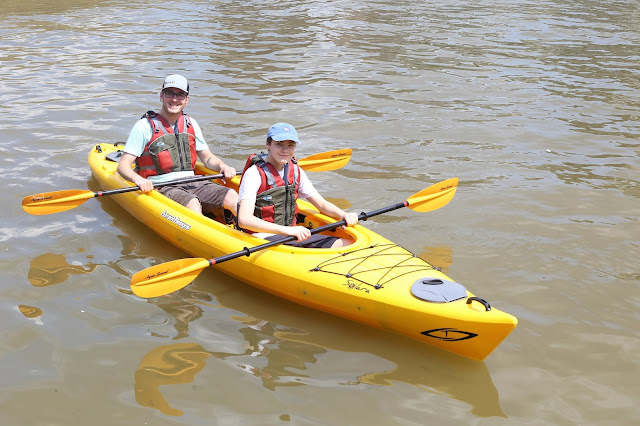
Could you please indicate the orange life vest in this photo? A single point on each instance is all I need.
(168, 151)
(276, 198)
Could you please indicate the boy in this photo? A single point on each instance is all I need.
(269, 190)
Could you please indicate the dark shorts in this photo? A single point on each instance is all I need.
(314, 241)
(211, 195)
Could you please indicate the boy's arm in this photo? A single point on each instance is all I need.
(247, 220)
(331, 210)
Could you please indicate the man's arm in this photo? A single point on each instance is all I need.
(125, 170)
(214, 163)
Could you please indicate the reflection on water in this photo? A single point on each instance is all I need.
(343, 203)
(279, 355)
(167, 365)
(30, 311)
(181, 312)
(51, 269)
(432, 371)
(271, 358)
(441, 257)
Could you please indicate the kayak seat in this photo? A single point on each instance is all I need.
(114, 156)
(300, 218)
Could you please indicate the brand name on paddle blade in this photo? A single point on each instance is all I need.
(157, 274)
(37, 199)
(449, 334)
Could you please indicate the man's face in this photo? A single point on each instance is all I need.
(174, 100)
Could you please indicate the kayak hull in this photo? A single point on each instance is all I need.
(373, 281)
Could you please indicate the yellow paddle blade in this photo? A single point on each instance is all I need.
(326, 161)
(433, 197)
(167, 277)
(56, 201)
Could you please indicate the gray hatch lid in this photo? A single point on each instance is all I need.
(438, 290)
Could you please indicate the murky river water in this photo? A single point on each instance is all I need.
(535, 106)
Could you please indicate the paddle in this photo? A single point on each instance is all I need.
(326, 161)
(59, 201)
(168, 277)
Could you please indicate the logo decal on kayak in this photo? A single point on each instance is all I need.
(355, 286)
(449, 334)
(176, 220)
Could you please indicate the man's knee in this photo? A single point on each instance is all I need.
(231, 200)
(194, 204)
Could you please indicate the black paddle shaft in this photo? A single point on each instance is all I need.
(160, 185)
(328, 227)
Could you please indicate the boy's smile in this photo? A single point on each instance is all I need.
(281, 152)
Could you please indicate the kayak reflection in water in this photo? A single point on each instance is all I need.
(270, 186)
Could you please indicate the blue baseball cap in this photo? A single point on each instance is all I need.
(283, 132)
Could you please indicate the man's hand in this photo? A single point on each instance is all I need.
(227, 171)
(145, 185)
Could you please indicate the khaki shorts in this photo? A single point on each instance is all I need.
(211, 195)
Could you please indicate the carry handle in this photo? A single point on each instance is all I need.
(486, 304)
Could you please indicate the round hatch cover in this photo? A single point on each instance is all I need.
(438, 290)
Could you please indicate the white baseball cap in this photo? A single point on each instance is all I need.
(177, 81)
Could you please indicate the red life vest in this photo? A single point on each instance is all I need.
(276, 197)
(167, 151)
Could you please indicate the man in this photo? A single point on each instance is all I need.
(270, 186)
(164, 146)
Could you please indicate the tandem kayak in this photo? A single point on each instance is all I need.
(373, 281)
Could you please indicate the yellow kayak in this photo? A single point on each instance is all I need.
(373, 281)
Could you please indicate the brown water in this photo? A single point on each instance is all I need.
(535, 106)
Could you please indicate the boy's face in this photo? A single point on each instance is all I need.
(281, 151)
